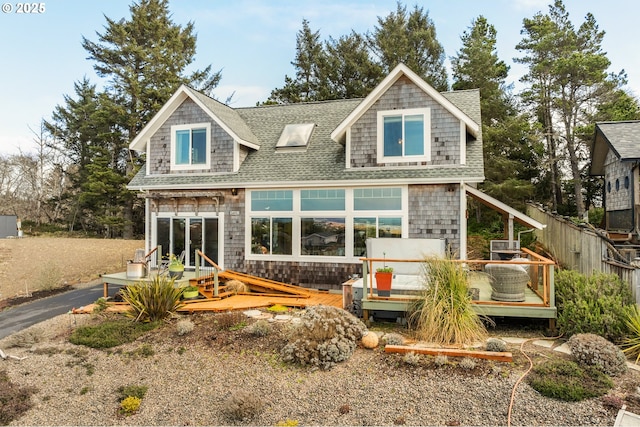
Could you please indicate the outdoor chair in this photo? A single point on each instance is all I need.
(508, 281)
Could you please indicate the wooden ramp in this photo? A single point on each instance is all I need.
(245, 301)
(264, 293)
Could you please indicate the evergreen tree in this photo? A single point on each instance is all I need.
(350, 71)
(508, 150)
(410, 38)
(568, 78)
(310, 83)
(144, 60)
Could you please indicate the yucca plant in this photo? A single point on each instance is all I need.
(152, 301)
(631, 343)
(443, 313)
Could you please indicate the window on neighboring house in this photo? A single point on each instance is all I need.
(404, 135)
(190, 146)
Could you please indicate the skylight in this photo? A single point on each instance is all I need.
(295, 136)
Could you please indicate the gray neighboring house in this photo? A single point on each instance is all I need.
(291, 192)
(615, 155)
(8, 226)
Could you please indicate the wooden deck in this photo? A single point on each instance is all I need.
(264, 292)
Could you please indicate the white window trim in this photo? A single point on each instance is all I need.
(174, 129)
(296, 214)
(381, 158)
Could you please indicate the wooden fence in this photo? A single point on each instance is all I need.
(582, 249)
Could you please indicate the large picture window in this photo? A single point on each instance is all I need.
(404, 135)
(190, 146)
(334, 223)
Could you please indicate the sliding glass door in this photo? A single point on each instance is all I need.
(182, 236)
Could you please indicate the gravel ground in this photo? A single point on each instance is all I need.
(191, 380)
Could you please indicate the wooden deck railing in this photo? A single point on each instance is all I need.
(541, 275)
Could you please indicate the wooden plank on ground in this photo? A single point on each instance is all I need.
(490, 355)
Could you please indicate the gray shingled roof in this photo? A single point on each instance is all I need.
(324, 159)
(621, 137)
(228, 116)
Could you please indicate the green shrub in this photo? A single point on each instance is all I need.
(110, 333)
(132, 390)
(565, 380)
(444, 314)
(326, 335)
(593, 350)
(152, 301)
(599, 304)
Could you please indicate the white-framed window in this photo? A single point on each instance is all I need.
(404, 135)
(321, 224)
(191, 146)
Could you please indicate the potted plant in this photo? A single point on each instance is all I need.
(383, 281)
(190, 292)
(176, 267)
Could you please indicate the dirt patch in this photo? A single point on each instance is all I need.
(34, 265)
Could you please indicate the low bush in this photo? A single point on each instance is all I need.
(132, 390)
(392, 338)
(184, 326)
(152, 301)
(243, 405)
(496, 344)
(14, 400)
(566, 380)
(593, 350)
(130, 405)
(325, 336)
(261, 328)
(110, 333)
(230, 320)
(598, 304)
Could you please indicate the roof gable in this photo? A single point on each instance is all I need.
(623, 138)
(402, 70)
(223, 115)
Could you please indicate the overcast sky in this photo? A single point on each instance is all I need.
(252, 42)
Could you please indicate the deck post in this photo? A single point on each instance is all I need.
(365, 288)
(215, 282)
(197, 270)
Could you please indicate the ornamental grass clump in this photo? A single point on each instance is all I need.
(152, 301)
(593, 350)
(443, 314)
(631, 343)
(325, 336)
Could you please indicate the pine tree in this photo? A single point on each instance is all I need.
(144, 60)
(410, 38)
(567, 77)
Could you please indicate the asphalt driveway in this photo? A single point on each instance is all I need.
(17, 318)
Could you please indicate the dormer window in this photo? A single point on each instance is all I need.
(404, 135)
(295, 136)
(191, 146)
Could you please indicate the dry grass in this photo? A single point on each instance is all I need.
(36, 263)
